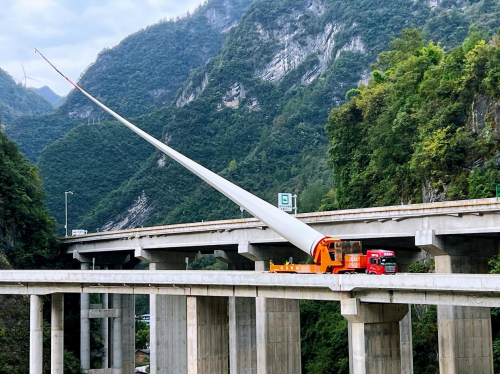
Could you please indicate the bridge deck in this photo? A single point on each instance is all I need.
(440, 289)
(377, 214)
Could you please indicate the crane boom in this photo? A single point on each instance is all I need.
(295, 231)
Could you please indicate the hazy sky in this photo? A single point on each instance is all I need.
(71, 33)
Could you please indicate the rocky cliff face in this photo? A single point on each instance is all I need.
(261, 100)
(292, 53)
(135, 215)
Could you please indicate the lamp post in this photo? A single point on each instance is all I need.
(66, 209)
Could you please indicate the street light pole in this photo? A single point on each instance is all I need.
(66, 209)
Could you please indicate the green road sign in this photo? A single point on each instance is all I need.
(285, 202)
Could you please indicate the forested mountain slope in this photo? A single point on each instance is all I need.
(140, 74)
(17, 100)
(27, 241)
(255, 113)
(427, 127)
(50, 96)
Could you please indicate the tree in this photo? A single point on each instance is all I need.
(409, 43)
(141, 335)
(27, 231)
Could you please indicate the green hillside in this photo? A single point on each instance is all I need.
(427, 127)
(26, 230)
(140, 74)
(17, 100)
(27, 241)
(49, 95)
(255, 113)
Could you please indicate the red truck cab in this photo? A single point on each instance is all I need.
(381, 262)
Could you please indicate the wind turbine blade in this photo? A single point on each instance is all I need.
(33, 79)
(24, 72)
(297, 232)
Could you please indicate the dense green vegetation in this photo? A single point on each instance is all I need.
(324, 338)
(281, 143)
(140, 74)
(54, 99)
(27, 241)
(17, 100)
(426, 128)
(26, 230)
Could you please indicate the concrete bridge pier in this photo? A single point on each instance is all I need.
(207, 335)
(117, 321)
(36, 334)
(278, 336)
(242, 339)
(374, 336)
(406, 344)
(464, 333)
(117, 334)
(264, 333)
(128, 334)
(104, 331)
(85, 325)
(57, 334)
(168, 316)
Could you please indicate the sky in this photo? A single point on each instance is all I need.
(71, 33)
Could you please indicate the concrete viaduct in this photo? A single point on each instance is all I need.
(206, 322)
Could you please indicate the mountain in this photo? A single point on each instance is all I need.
(17, 100)
(27, 241)
(427, 127)
(140, 74)
(255, 112)
(49, 95)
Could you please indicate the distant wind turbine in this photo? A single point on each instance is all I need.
(25, 77)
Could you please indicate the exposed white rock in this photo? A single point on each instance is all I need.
(83, 111)
(222, 19)
(161, 160)
(311, 75)
(254, 104)
(264, 34)
(484, 109)
(167, 138)
(292, 52)
(365, 78)
(189, 93)
(317, 7)
(157, 92)
(434, 3)
(432, 194)
(231, 26)
(135, 216)
(355, 45)
(233, 97)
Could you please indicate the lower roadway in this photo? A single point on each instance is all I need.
(403, 288)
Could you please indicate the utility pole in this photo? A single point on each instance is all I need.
(66, 209)
(295, 207)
